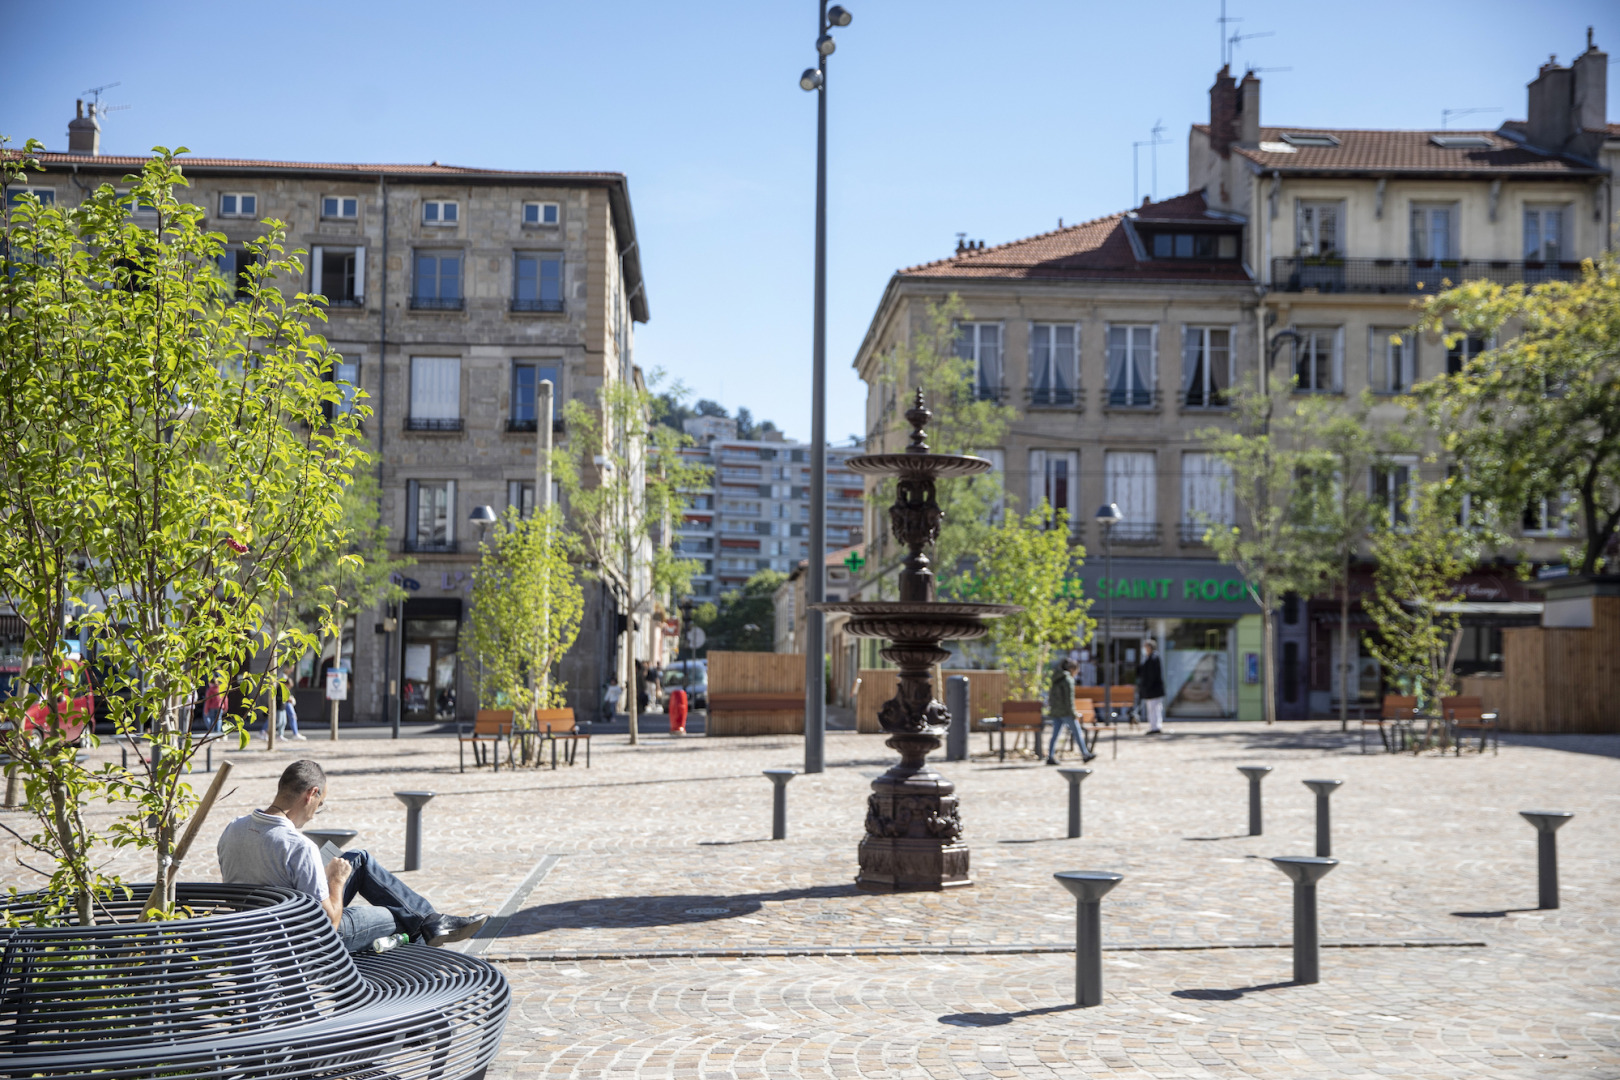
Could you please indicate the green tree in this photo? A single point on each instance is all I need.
(745, 620)
(165, 462)
(1538, 415)
(1028, 560)
(626, 488)
(526, 609)
(1420, 561)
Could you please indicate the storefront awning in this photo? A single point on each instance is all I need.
(1518, 609)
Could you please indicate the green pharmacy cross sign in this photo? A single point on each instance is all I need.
(854, 561)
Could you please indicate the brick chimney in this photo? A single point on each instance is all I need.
(84, 132)
(1249, 110)
(1223, 112)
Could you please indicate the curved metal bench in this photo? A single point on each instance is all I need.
(255, 983)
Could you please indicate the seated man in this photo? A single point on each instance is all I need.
(267, 847)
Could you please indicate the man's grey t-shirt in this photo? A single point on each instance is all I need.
(267, 849)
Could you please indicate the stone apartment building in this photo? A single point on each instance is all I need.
(1118, 340)
(452, 293)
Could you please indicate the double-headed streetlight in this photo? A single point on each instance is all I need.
(1108, 516)
(815, 582)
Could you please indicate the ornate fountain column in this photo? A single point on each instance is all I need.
(913, 830)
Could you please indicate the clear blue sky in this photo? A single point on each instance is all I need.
(989, 119)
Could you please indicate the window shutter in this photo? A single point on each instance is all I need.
(1189, 360)
(360, 275)
(1037, 478)
(412, 495)
(450, 510)
(315, 269)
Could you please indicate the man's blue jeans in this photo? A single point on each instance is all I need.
(395, 908)
(1058, 723)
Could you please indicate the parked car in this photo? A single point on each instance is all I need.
(72, 718)
(691, 676)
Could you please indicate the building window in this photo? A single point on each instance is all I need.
(541, 213)
(1461, 351)
(1318, 228)
(1199, 245)
(235, 264)
(520, 496)
(1132, 374)
(340, 207)
(981, 344)
(1434, 232)
(1206, 366)
(1392, 490)
(538, 284)
(339, 274)
(1054, 373)
(430, 511)
(440, 212)
(1317, 369)
(1544, 233)
(346, 374)
(1392, 357)
(238, 204)
(1132, 484)
(1054, 475)
(1206, 494)
(437, 286)
(46, 196)
(1544, 517)
(526, 379)
(435, 394)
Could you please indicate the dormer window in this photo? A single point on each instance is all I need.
(440, 212)
(1191, 245)
(1462, 142)
(1294, 138)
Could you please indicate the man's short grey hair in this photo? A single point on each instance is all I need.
(299, 777)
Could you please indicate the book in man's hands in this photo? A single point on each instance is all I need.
(329, 851)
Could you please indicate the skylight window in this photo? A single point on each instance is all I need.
(1298, 139)
(1277, 148)
(1462, 142)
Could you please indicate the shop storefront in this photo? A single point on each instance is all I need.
(429, 659)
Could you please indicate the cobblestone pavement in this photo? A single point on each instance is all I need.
(655, 931)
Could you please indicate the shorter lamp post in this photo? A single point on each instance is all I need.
(1108, 516)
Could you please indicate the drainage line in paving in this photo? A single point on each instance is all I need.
(497, 922)
(958, 950)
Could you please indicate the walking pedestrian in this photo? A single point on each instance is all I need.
(610, 699)
(1060, 707)
(677, 711)
(1150, 687)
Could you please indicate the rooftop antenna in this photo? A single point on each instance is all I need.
(95, 92)
(1226, 56)
(1237, 39)
(1447, 114)
(1136, 157)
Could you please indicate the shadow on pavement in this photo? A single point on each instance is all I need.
(1228, 995)
(977, 1019)
(1234, 836)
(1504, 913)
(630, 911)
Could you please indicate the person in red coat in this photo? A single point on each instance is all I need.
(677, 711)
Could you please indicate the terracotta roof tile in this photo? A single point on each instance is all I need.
(434, 169)
(1096, 250)
(1398, 151)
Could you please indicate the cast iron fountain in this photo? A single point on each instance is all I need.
(913, 832)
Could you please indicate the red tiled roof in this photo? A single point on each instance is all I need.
(131, 161)
(1096, 250)
(1398, 151)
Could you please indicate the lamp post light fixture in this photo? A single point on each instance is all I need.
(483, 517)
(1108, 516)
(815, 585)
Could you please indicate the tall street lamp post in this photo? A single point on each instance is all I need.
(1108, 516)
(815, 582)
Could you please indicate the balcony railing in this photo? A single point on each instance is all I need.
(1139, 533)
(433, 423)
(532, 425)
(1131, 397)
(438, 303)
(431, 547)
(1191, 533)
(537, 305)
(1213, 398)
(985, 392)
(1332, 275)
(1053, 397)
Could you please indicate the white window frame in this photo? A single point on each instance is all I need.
(348, 207)
(1552, 510)
(346, 373)
(430, 377)
(1467, 348)
(1398, 516)
(1392, 365)
(1134, 490)
(1042, 482)
(1206, 490)
(1055, 381)
(1428, 209)
(1314, 335)
(317, 253)
(1129, 361)
(238, 212)
(971, 345)
(441, 213)
(1560, 244)
(1196, 345)
(540, 209)
(1309, 231)
(413, 504)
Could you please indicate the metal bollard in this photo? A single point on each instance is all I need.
(1088, 888)
(1324, 838)
(1547, 823)
(1255, 773)
(1305, 871)
(957, 704)
(338, 838)
(779, 778)
(1075, 777)
(414, 801)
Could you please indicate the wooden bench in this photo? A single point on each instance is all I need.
(1466, 712)
(1122, 701)
(1021, 718)
(559, 724)
(489, 726)
(1394, 721)
(1085, 711)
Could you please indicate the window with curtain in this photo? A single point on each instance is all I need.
(1053, 363)
(430, 511)
(1316, 361)
(1544, 233)
(997, 458)
(1434, 232)
(346, 373)
(437, 282)
(1206, 366)
(1391, 489)
(1054, 475)
(1132, 485)
(1392, 361)
(1131, 375)
(1206, 494)
(435, 393)
(981, 343)
(538, 284)
(1318, 228)
(1459, 352)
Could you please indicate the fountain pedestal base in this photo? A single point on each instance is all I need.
(913, 834)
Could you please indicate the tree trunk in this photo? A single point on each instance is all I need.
(1268, 661)
(629, 695)
(1344, 649)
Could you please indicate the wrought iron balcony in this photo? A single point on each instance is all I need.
(418, 546)
(985, 392)
(531, 425)
(1347, 275)
(1053, 397)
(1137, 533)
(537, 305)
(438, 303)
(433, 423)
(1213, 398)
(1131, 397)
(1192, 532)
